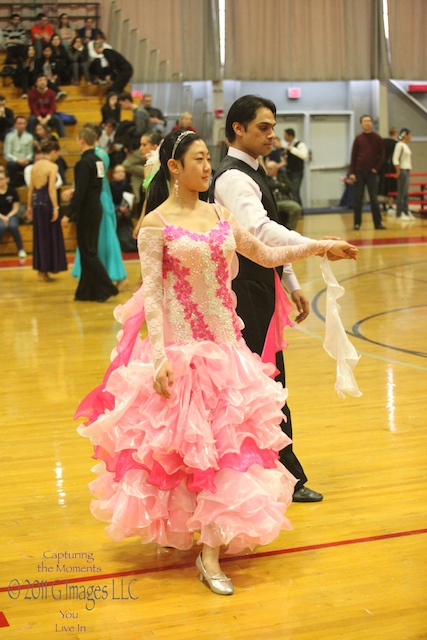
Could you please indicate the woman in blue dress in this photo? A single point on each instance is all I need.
(109, 251)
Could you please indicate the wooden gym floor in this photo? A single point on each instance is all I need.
(354, 566)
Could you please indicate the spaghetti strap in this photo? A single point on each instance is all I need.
(218, 210)
(165, 222)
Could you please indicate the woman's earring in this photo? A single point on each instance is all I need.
(176, 189)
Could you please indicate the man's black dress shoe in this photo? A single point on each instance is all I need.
(381, 226)
(356, 227)
(306, 495)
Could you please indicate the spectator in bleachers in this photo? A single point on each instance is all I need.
(65, 31)
(42, 134)
(26, 70)
(106, 139)
(9, 207)
(88, 32)
(277, 154)
(119, 70)
(111, 109)
(41, 33)
(289, 210)
(122, 197)
(42, 101)
(141, 117)
(47, 66)
(79, 61)
(157, 119)
(134, 166)
(100, 37)
(185, 122)
(18, 150)
(59, 58)
(6, 118)
(15, 39)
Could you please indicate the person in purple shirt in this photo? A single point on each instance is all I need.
(367, 157)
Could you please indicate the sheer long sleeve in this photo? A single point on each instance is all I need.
(250, 247)
(150, 247)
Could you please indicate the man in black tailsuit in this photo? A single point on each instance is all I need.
(86, 210)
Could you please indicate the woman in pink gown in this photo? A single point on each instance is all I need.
(186, 422)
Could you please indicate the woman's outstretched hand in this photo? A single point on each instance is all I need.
(164, 380)
(342, 250)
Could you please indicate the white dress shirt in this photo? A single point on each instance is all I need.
(300, 151)
(236, 191)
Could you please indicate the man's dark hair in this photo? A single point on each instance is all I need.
(243, 111)
(2, 98)
(365, 116)
(18, 117)
(125, 96)
(290, 132)
(15, 15)
(41, 15)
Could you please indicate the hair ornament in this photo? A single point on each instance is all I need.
(179, 140)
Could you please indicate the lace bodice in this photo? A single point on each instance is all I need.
(187, 280)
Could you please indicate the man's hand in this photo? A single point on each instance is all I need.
(302, 305)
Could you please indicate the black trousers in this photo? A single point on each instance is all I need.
(255, 305)
(369, 179)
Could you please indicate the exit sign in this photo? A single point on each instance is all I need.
(294, 93)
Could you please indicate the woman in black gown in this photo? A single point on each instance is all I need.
(48, 241)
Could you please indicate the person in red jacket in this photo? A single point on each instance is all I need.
(41, 32)
(367, 158)
(42, 101)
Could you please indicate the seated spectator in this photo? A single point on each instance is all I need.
(42, 134)
(157, 119)
(134, 166)
(278, 154)
(42, 101)
(65, 31)
(185, 122)
(141, 117)
(289, 210)
(88, 32)
(78, 60)
(118, 69)
(59, 60)
(26, 70)
(106, 139)
(46, 66)
(9, 207)
(41, 33)
(111, 109)
(15, 39)
(122, 198)
(18, 151)
(6, 118)
(100, 37)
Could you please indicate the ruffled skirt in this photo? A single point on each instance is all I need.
(205, 460)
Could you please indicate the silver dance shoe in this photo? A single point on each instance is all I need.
(219, 583)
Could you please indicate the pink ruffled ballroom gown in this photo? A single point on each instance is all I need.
(205, 460)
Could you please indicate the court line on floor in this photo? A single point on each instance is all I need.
(249, 556)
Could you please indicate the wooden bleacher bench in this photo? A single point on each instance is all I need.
(83, 101)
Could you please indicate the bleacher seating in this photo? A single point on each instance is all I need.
(84, 102)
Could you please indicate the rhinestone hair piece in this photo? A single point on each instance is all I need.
(178, 141)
